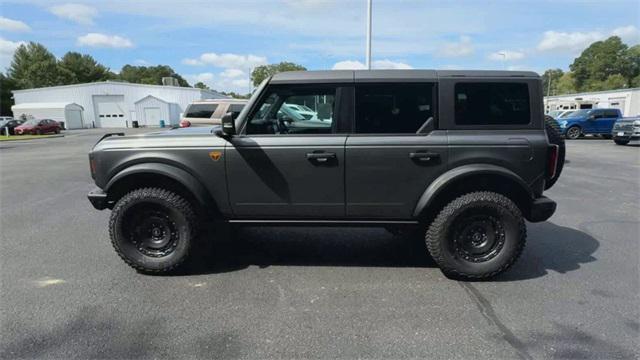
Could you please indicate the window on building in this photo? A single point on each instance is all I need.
(492, 104)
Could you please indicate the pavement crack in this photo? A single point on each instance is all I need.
(488, 313)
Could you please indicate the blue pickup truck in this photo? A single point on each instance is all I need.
(589, 121)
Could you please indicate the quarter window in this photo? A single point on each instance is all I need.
(201, 110)
(492, 104)
(294, 110)
(393, 109)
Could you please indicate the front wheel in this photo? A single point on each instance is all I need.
(621, 142)
(152, 229)
(476, 236)
(573, 133)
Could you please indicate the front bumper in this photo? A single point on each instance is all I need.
(98, 199)
(541, 209)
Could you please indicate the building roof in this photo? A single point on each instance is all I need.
(591, 93)
(347, 76)
(43, 105)
(153, 97)
(98, 83)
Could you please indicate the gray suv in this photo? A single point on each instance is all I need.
(462, 156)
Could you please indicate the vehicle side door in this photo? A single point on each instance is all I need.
(605, 124)
(593, 124)
(283, 165)
(394, 150)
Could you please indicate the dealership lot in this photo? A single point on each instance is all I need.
(329, 293)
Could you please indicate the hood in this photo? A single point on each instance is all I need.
(25, 126)
(184, 131)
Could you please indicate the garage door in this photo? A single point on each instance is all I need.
(74, 119)
(110, 110)
(152, 116)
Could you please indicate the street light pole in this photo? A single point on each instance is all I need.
(504, 59)
(368, 55)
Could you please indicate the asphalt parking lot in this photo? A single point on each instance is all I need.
(315, 293)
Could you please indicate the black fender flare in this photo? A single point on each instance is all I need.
(441, 182)
(181, 176)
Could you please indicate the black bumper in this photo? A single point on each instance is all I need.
(98, 199)
(541, 209)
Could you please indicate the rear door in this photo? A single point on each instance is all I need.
(394, 152)
(283, 166)
(605, 124)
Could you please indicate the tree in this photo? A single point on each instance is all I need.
(566, 84)
(552, 75)
(601, 60)
(7, 84)
(201, 85)
(235, 95)
(80, 68)
(149, 74)
(264, 71)
(34, 66)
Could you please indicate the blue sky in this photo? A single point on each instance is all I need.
(219, 42)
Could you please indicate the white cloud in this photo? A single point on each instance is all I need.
(7, 24)
(79, 13)
(232, 73)
(577, 41)
(630, 33)
(7, 48)
(104, 40)
(376, 64)
(227, 80)
(227, 60)
(506, 55)
(461, 48)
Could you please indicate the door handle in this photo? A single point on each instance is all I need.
(321, 157)
(424, 157)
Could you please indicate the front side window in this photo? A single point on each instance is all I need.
(294, 110)
(393, 108)
(201, 110)
(492, 103)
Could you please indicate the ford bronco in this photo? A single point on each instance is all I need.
(463, 156)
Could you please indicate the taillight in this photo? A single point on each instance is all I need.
(92, 167)
(185, 123)
(552, 161)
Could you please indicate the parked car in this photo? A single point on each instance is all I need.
(465, 173)
(38, 127)
(209, 112)
(9, 125)
(589, 121)
(626, 130)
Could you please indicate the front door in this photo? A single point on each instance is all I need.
(393, 154)
(288, 164)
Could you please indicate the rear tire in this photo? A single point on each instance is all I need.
(477, 236)
(553, 134)
(621, 142)
(573, 132)
(153, 230)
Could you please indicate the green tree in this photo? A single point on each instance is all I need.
(552, 75)
(7, 84)
(201, 85)
(264, 71)
(566, 84)
(34, 66)
(235, 95)
(601, 60)
(80, 68)
(149, 74)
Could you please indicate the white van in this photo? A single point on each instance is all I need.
(210, 111)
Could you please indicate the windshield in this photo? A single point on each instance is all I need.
(32, 122)
(201, 110)
(577, 113)
(567, 114)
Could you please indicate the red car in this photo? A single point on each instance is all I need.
(38, 127)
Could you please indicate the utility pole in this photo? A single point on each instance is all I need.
(368, 55)
(549, 85)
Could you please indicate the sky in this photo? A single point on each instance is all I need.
(220, 42)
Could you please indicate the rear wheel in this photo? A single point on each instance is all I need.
(573, 132)
(476, 236)
(621, 142)
(553, 134)
(153, 229)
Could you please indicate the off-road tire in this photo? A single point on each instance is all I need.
(573, 134)
(179, 212)
(553, 134)
(621, 142)
(441, 245)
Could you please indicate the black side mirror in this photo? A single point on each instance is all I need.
(592, 117)
(228, 126)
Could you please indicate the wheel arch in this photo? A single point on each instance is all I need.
(163, 176)
(469, 178)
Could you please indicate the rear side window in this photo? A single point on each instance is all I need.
(201, 110)
(611, 113)
(393, 108)
(492, 104)
(235, 108)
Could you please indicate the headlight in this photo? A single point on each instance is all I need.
(563, 123)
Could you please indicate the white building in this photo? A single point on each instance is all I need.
(108, 104)
(627, 100)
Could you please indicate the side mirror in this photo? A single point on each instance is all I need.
(592, 117)
(228, 126)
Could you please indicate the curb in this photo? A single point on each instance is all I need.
(38, 138)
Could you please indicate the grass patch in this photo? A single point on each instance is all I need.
(26, 137)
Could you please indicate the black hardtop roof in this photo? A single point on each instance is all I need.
(415, 75)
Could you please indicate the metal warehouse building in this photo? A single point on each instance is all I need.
(627, 100)
(108, 104)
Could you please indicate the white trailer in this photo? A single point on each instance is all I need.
(627, 100)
